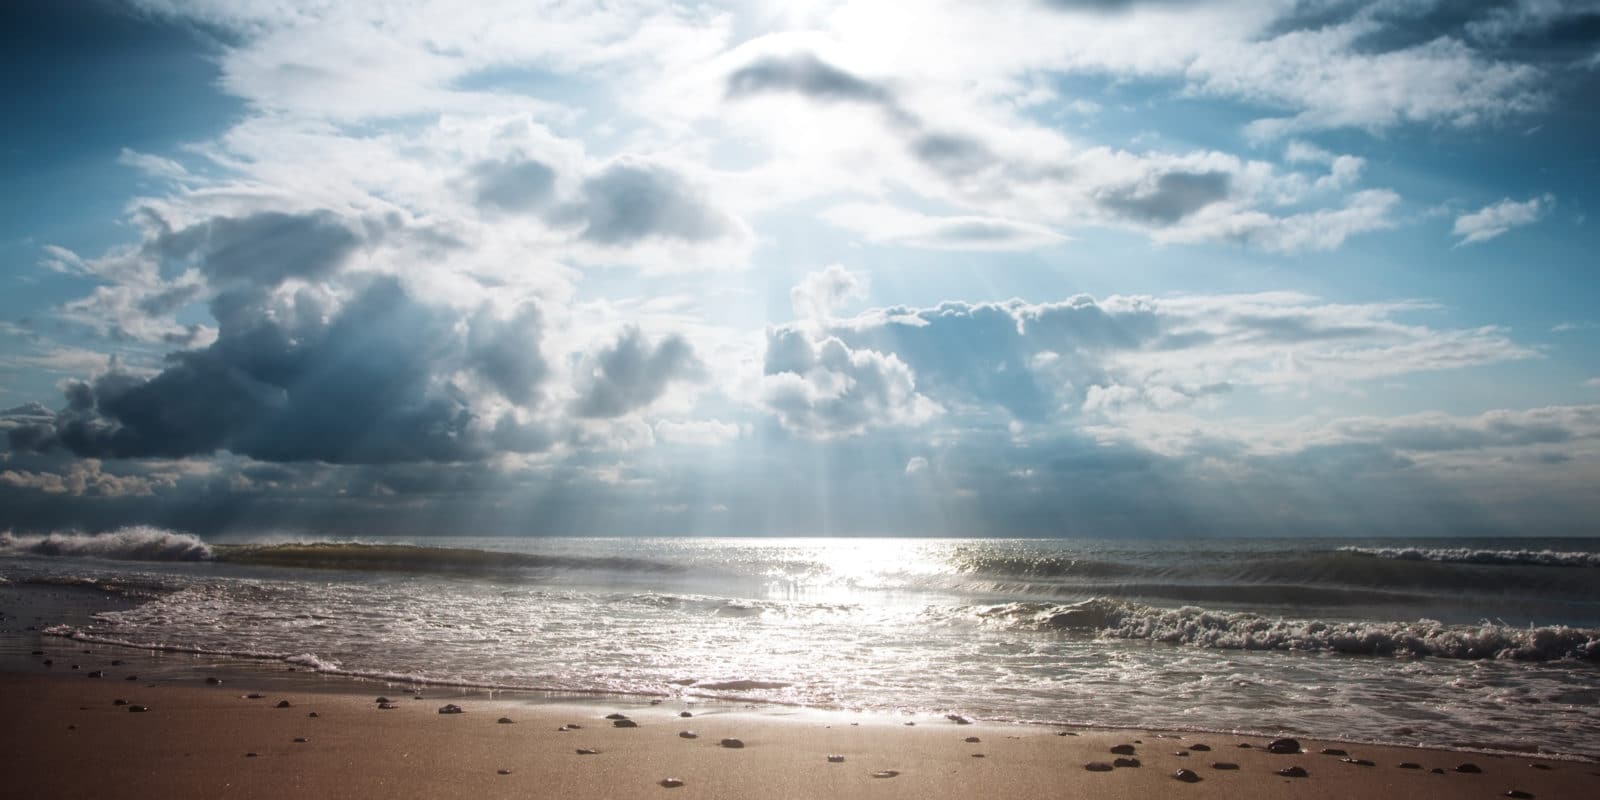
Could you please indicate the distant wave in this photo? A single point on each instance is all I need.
(134, 543)
(1201, 627)
(413, 558)
(1044, 566)
(1464, 555)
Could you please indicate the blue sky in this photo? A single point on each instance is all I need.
(1033, 268)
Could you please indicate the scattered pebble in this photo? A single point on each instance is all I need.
(116, 663)
(1125, 762)
(685, 714)
(671, 783)
(1200, 748)
(1224, 765)
(49, 661)
(450, 708)
(1360, 762)
(624, 723)
(910, 724)
(214, 681)
(1469, 768)
(1517, 793)
(977, 755)
(835, 759)
(1243, 745)
(38, 652)
(1065, 733)
(138, 709)
(1187, 776)
(505, 721)
(301, 740)
(1333, 751)
(313, 715)
(1293, 772)
(733, 743)
(616, 716)
(688, 735)
(72, 727)
(131, 678)
(97, 674)
(885, 773)
(1539, 766)
(387, 706)
(1122, 750)
(502, 772)
(1181, 753)
(119, 702)
(1410, 765)
(972, 740)
(383, 700)
(1437, 770)
(1284, 746)
(254, 696)
(584, 751)
(249, 755)
(1097, 766)
(282, 704)
(958, 719)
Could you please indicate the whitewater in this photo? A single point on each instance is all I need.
(1463, 643)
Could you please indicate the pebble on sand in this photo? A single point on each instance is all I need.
(671, 783)
(1360, 762)
(1122, 750)
(301, 740)
(213, 681)
(1333, 751)
(1065, 733)
(119, 702)
(1437, 770)
(1517, 793)
(1187, 776)
(1284, 746)
(1469, 768)
(131, 678)
(282, 704)
(1098, 766)
(1410, 765)
(972, 740)
(886, 773)
(1125, 762)
(584, 751)
(624, 723)
(313, 715)
(138, 709)
(97, 674)
(505, 721)
(387, 706)
(1200, 748)
(116, 663)
(958, 719)
(502, 772)
(450, 708)
(835, 759)
(733, 743)
(616, 716)
(254, 696)
(1224, 765)
(685, 714)
(1293, 772)
(250, 755)
(1539, 766)
(688, 735)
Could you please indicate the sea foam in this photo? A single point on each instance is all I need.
(1465, 555)
(133, 543)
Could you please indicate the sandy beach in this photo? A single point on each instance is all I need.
(69, 735)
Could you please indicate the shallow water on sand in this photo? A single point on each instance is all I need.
(1457, 643)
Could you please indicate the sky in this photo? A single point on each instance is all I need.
(1022, 268)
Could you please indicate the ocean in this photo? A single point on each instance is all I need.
(1486, 644)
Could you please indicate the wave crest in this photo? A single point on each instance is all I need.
(133, 543)
(416, 558)
(1201, 627)
(1467, 555)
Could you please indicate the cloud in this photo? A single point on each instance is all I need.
(1173, 196)
(819, 293)
(889, 225)
(512, 184)
(825, 389)
(84, 478)
(631, 373)
(1492, 220)
(916, 465)
(264, 249)
(698, 433)
(805, 74)
(628, 203)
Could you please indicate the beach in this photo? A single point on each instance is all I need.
(66, 736)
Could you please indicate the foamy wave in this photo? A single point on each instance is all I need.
(1199, 627)
(133, 543)
(414, 558)
(1464, 555)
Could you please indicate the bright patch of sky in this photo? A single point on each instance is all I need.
(1040, 267)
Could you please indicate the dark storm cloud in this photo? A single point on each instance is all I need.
(513, 184)
(628, 203)
(631, 373)
(367, 385)
(263, 249)
(1175, 195)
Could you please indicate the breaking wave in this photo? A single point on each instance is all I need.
(1199, 627)
(134, 543)
(415, 558)
(1465, 555)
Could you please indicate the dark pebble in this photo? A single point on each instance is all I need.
(1284, 746)
(387, 706)
(131, 678)
(282, 704)
(733, 743)
(685, 714)
(301, 740)
(1243, 745)
(1186, 775)
(977, 755)
(584, 751)
(119, 702)
(383, 700)
(313, 715)
(38, 652)
(249, 755)
(1125, 762)
(450, 708)
(1333, 751)
(1181, 753)
(616, 716)
(72, 727)
(688, 735)
(885, 773)
(835, 759)
(1468, 768)
(97, 674)
(1065, 733)
(1410, 765)
(1224, 765)
(1200, 748)
(624, 723)
(1293, 772)
(1517, 793)
(116, 663)
(138, 709)
(254, 696)
(1360, 762)
(971, 740)
(910, 724)
(1539, 766)
(958, 719)
(49, 662)
(671, 783)
(1098, 766)
(502, 772)
(214, 681)
(506, 721)
(1122, 750)
(1437, 770)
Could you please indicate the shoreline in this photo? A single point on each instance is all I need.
(67, 737)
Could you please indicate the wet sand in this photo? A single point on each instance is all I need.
(65, 736)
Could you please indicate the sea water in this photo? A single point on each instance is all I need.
(1491, 644)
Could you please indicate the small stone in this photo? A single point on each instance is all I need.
(119, 702)
(655, 702)
(38, 652)
(249, 755)
(502, 772)
(733, 743)
(97, 674)
(1200, 748)
(214, 681)
(1181, 753)
(1098, 766)
(1333, 751)
(573, 726)
(910, 724)
(616, 716)
(1284, 746)
(1187, 776)
(1293, 772)
(977, 755)
(1125, 762)
(72, 727)
(1065, 733)
(671, 783)
(1244, 745)
(958, 719)
(624, 723)
(137, 709)
(885, 773)
(75, 666)
(301, 740)
(313, 715)
(450, 708)
(584, 751)
(505, 721)
(1122, 750)
(254, 696)
(131, 678)
(387, 706)
(1360, 762)
(1410, 765)
(383, 700)
(1469, 768)
(971, 740)
(115, 663)
(1539, 766)
(685, 714)
(49, 661)
(282, 704)
(688, 735)
(1224, 765)
(1517, 793)
(835, 759)
(1437, 770)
